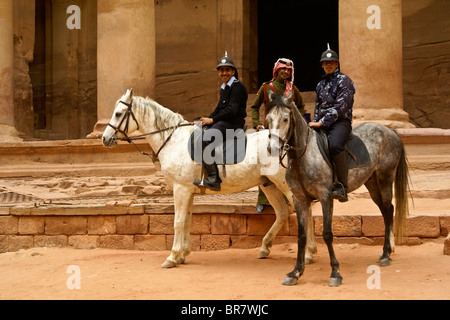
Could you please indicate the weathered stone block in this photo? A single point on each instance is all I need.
(246, 242)
(228, 224)
(84, 241)
(101, 225)
(445, 225)
(132, 224)
(201, 224)
(343, 226)
(150, 242)
(132, 189)
(15, 243)
(31, 225)
(8, 225)
(423, 227)
(447, 245)
(161, 224)
(58, 241)
(3, 243)
(258, 225)
(65, 225)
(117, 242)
(373, 226)
(215, 242)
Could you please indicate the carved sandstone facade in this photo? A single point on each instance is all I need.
(61, 70)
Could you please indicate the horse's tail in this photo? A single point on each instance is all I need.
(401, 186)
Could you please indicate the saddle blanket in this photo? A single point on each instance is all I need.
(357, 154)
(230, 151)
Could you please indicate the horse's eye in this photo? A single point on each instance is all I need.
(286, 119)
(118, 114)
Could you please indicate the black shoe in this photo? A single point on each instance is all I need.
(340, 189)
(212, 181)
(212, 185)
(339, 192)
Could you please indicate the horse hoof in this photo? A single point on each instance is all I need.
(263, 253)
(385, 262)
(180, 260)
(335, 282)
(288, 281)
(309, 260)
(168, 264)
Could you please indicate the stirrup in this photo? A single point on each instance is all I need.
(339, 192)
(200, 183)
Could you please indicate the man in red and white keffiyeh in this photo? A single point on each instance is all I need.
(285, 69)
(281, 83)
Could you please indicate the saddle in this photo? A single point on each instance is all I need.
(357, 154)
(230, 151)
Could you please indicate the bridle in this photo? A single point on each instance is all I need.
(126, 117)
(285, 146)
(124, 132)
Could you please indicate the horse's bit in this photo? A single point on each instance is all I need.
(285, 147)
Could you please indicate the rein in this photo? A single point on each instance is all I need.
(285, 147)
(128, 139)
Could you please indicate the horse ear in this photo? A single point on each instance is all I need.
(270, 94)
(129, 93)
(290, 97)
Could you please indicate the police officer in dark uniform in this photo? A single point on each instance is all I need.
(334, 112)
(230, 113)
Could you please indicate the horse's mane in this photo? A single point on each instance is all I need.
(277, 100)
(163, 117)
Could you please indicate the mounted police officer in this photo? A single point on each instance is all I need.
(333, 113)
(229, 113)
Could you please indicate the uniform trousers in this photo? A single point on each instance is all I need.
(222, 126)
(338, 134)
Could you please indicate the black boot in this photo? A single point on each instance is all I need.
(213, 180)
(340, 188)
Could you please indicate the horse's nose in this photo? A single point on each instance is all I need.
(108, 141)
(273, 150)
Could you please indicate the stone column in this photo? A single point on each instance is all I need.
(9, 133)
(125, 54)
(370, 52)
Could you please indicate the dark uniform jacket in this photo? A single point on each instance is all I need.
(232, 105)
(334, 98)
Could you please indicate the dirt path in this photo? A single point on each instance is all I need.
(417, 272)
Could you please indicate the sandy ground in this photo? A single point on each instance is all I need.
(417, 272)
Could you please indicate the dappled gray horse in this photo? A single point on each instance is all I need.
(310, 177)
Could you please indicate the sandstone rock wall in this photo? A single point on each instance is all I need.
(63, 80)
(24, 12)
(426, 62)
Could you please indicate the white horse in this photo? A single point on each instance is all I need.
(179, 170)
